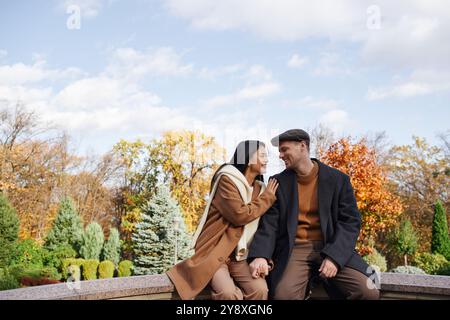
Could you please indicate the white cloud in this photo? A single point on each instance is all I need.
(420, 82)
(250, 92)
(337, 120)
(21, 73)
(134, 64)
(289, 19)
(413, 34)
(214, 73)
(309, 102)
(296, 61)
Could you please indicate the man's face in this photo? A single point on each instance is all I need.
(291, 152)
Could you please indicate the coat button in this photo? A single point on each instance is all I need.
(221, 259)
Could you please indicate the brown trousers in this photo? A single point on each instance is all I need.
(233, 281)
(305, 258)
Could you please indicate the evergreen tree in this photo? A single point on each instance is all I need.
(67, 228)
(92, 242)
(160, 232)
(404, 240)
(111, 249)
(9, 231)
(440, 241)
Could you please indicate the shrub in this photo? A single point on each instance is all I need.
(106, 269)
(67, 262)
(125, 268)
(55, 257)
(430, 263)
(89, 269)
(92, 242)
(376, 260)
(29, 254)
(444, 271)
(34, 272)
(30, 281)
(8, 281)
(408, 270)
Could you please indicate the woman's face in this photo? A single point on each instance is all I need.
(259, 160)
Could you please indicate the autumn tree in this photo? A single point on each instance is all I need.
(379, 207)
(188, 160)
(38, 169)
(421, 174)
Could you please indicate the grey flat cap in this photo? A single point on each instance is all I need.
(290, 135)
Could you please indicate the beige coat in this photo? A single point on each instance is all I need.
(220, 235)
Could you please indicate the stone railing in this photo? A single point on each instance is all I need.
(152, 287)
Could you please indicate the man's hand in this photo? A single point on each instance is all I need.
(259, 268)
(328, 269)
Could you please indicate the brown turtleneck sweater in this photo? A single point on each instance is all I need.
(308, 228)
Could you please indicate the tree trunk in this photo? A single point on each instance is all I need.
(405, 257)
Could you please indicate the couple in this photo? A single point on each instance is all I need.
(304, 224)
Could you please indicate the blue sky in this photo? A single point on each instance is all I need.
(233, 69)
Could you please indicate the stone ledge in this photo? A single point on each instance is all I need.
(393, 286)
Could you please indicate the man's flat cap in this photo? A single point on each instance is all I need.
(290, 135)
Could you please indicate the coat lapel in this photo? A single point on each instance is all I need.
(324, 197)
(292, 219)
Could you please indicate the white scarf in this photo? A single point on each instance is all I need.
(246, 192)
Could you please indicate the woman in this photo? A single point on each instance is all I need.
(238, 198)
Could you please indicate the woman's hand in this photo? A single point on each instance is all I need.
(272, 186)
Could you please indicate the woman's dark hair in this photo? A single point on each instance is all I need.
(241, 158)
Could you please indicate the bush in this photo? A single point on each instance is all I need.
(106, 269)
(29, 254)
(125, 268)
(67, 262)
(408, 270)
(89, 269)
(444, 271)
(44, 272)
(7, 280)
(55, 257)
(430, 263)
(376, 260)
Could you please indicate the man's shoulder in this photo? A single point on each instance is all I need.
(283, 174)
(332, 172)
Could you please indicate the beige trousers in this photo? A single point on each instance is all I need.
(305, 257)
(233, 281)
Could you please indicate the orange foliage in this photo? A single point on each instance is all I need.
(379, 207)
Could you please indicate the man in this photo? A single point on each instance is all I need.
(311, 230)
